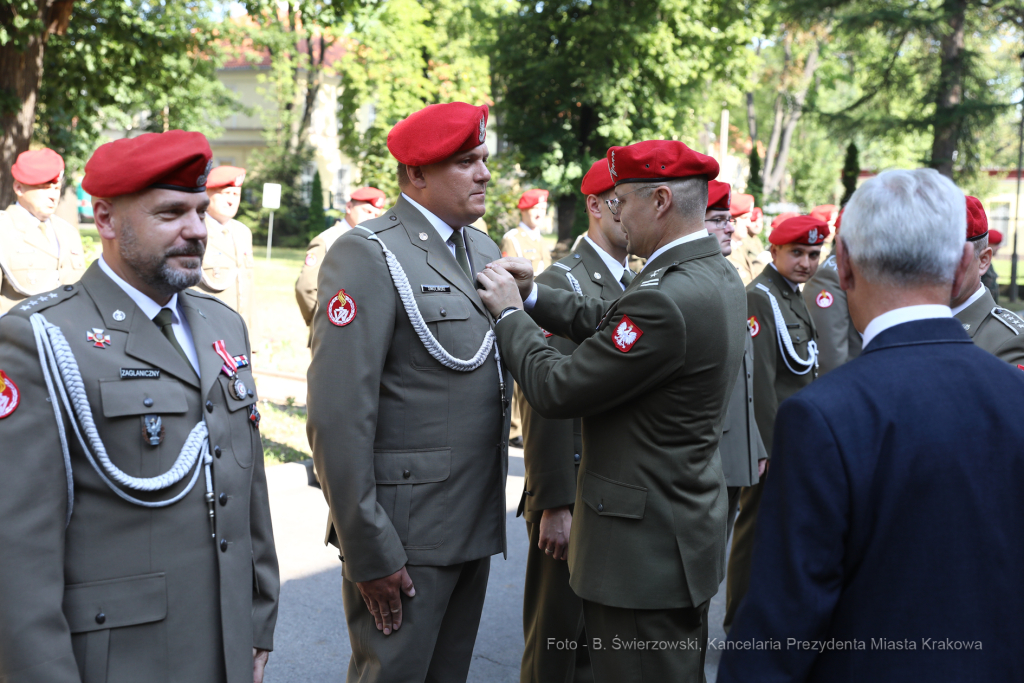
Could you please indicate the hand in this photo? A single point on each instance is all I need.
(762, 466)
(499, 289)
(259, 663)
(554, 532)
(384, 600)
(522, 270)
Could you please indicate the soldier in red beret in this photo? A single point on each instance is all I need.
(525, 240)
(408, 408)
(363, 204)
(647, 545)
(38, 249)
(138, 545)
(748, 254)
(229, 272)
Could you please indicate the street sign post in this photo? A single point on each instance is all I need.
(271, 200)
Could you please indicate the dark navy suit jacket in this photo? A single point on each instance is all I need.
(893, 515)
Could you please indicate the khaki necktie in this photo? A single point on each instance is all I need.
(460, 253)
(627, 277)
(165, 321)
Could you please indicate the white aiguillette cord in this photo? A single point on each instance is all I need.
(784, 339)
(60, 371)
(434, 348)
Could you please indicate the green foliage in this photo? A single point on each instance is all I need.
(131, 65)
(814, 168)
(755, 183)
(851, 171)
(317, 217)
(291, 221)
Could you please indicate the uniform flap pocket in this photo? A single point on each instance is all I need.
(115, 602)
(437, 307)
(244, 385)
(412, 467)
(612, 498)
(141, 397)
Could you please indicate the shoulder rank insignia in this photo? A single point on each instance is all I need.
(10, 397)
(830, 262)
(559, 264)
(626, 334)
(825, 299)
(342, 309)
(1008, 318)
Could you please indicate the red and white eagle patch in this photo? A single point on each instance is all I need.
(753, 325)
(626, 334)
(310, 260)
(342, 309)
(546, 333)
(10, 397)
(825, 299)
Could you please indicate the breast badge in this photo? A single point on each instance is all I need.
(98, 339)
(10, 397)
(342, 309)
(626, 334)
(753, 326)
(311, 260)
(825, 299)
(230, 368)
(152, 429)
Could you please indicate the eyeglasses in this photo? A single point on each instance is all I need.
(720, 222)
(615, 202)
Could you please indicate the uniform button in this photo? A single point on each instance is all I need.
(223, 545)
(100, 618)
(748, 375)
(216, 451)
(444, 313)
(209, 406)
(750, 400)
(406, 474)
(68, 288)
(223, 498)
(394, 218)
(576, 457)
(148, 402)
(600, 507)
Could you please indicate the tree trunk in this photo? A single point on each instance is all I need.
(949, 100)
(751, 118)
(21, 74)
(779, 168)
(566, 217)
(780, 99)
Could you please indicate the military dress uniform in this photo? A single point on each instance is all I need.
(305, 285)
(995, 329)
(838, 340)
(747, 257)
(527, 243)
(552, 450)
(36, 256)
(228, 266)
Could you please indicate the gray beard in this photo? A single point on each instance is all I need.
(155, 270)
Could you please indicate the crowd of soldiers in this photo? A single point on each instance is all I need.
(647, 399)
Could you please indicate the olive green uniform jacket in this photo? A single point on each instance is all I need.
(995, 329)
(838, 340)
(411, 455)
(126, 593)
(29, 264)
(305, 286)
(229, 272)
(748, 257)
(650, 379)
(741, 446)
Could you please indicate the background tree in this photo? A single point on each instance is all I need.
(317, 216)
(754, 185)
(851, 171)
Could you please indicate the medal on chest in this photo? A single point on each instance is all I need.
(230, 368)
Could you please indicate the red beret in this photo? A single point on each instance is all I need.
(532, 198)
(995, 238)
(598, 180)
(225, 176)
(654, 160)
(824, 212)
(778, 220)
(436, 132)
(370, 195)
(719, 195)
(741, 204)
(756, 213)
(977, 221)
(38, 167)
(175, 160)
(800, 230)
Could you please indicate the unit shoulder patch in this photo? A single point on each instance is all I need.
(626, 335)
(10, 397)
(310, 260)
(1009, 318)
(824, 299)
(753, 326)
(342, 309)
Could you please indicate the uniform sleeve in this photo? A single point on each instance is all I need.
(567, 314)
(1012, 351)
(766, 401)
(601, 373)
(833, 327)
(35, 640)
(305, 286)
(343, 384)
(797, 566)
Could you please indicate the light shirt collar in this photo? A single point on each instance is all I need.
(974, 297)
(614, 267)
(789, 282)
(535, 232)
(907, 314)
(149, 307)
(703, 232)
(443, 229)
(32, 215)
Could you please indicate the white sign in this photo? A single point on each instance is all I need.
(271, 196)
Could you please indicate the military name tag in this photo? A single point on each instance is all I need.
(435, 288)
(140, 373)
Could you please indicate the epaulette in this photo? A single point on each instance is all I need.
(830, 262)
(1008, 318)
(41, 302)
(205, 296)
(653, 278)
(385, 221)
(559, 264)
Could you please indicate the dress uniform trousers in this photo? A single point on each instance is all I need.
(738, 574)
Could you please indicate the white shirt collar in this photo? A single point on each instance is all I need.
(789, 282)
(149, 307)
(974, 297)
(614, 267)
(907, 314)
(443, 229)
(535, 232)
(703, 232)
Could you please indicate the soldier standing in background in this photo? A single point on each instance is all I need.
(553, 450)
(364, 204)
(139, 546)
(838, 340)
(228, 267)
(990, 278)
(785, 361)
(746, 246)
(995, 329)
(38, 250)
(743, 454)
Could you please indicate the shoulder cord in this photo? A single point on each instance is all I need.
(60, 370)
(787, 343)
(434, 348)
(575, 283)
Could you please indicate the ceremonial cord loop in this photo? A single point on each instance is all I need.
(786, 342)
(60, 371)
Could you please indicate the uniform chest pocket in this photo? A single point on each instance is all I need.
(442, 312)
(122, 398)
(241, 393)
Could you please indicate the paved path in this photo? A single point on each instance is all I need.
(311, 643)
